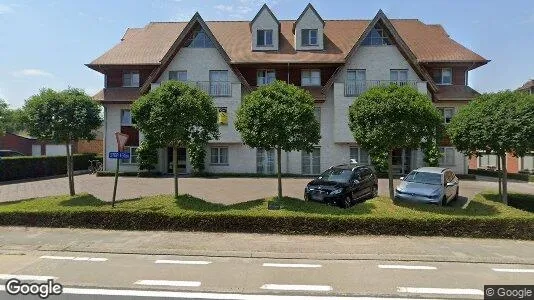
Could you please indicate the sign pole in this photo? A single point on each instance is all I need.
(121, 141)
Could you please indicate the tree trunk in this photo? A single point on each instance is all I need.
(175, 170)
(70, 170)
(279, 166)
(390, 174)
(504, 181)
(499, 174)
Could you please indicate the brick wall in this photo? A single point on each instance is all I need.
(94, 146)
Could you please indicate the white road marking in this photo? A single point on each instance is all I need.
(440, 291)
(74, 258)
(296, 287)
(405, 267)
(169, 283)
(183, 262)
(514, 270)
(199, 295)
(276, 265)
(26, 277)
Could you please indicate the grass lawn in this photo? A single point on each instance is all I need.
(484, 217)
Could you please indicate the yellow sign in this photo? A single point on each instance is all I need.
(222, 117)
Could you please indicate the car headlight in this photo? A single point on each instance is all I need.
(435, 194)
(335, 192)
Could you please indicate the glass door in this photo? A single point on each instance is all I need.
(182, 161)
(265, 161)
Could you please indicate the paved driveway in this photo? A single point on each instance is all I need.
(219, 190)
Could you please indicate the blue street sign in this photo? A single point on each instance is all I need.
(119, 155)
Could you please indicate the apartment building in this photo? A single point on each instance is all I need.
(335, 60)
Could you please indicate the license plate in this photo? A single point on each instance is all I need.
(318, 197)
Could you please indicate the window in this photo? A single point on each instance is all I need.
(219, 155)
(311, 78)
(133, 155)
(126, 118)
(527, 162)
(488, 161)
(219, 85)
(178, 75)
(311, 162)
(198, 39)
(360, 155)
(317, 114)
(265, 161)
(377, 37)
(130, 79)
(264, 37)
(447, 113)
(265, 77)
(398, 76)
(355, 75)
(442, 76)
(356, 83)
(309, 37)
(447, 156)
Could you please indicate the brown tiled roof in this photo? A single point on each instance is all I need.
(118, 94)
(529, 84)
(455, 92)
(148, 45)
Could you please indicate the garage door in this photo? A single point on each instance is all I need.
(36, 150)
(55, 150)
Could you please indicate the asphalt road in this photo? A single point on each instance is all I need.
(305, 266)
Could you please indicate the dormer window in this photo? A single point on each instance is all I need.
(442, 76)
(130, 79)
(377, 37)
(264, 38)
(309, 37)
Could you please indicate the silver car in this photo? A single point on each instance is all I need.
(428, 185)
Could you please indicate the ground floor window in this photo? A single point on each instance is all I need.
(265, 161)
(133, 155)
(527, 162)
(488, 161)
(447, 156)
(360, 155)
(311, 161)
(219, 155)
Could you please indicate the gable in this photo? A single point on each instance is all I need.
(265, 21)
(309, 20)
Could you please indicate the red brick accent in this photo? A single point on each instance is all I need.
(94, 146)
(10, 141)
(473, 162)
(512, 163)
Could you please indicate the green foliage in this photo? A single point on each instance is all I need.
(25, 167)
(147, 156)
(197, 156)
(4, 110)
(497, 122)
(431, 153)
(482, 218)
(278, 115)
(176, 115)
(379, 161)
(11, 120)
(490, 173)
(62, 117)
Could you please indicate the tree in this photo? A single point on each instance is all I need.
(498, 123)
(4, 116)
(386, 118)
(279, 116)
(11, 120)
(176, 115)
(64, 118)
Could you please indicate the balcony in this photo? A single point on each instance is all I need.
(213, 88)
(355, 88)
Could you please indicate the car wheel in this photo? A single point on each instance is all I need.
(444, 200)
(346, 202)
(306, 198)
(374, 191)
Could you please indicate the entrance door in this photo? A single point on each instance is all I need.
(265, 161)
(402, 161)
(182, 161)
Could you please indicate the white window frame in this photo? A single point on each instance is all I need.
(359, 155)
(265, 161)
(443, 110)
(445, 159)
(307, 158)
(486, 158)
(441, 71)
(179, 73)
(524, 165)
(265, 75)
(219, 156)
(265, 33)
(306, 38)
(131, 150)
(308, 77)
(130, 79)
(129, 121)
(398, 73)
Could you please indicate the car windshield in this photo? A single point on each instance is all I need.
(337, 175)
(424, 177)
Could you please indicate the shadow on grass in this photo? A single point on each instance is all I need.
(188, 202)
(83, 200)
(474, 208)
(520, 201)
(297, 205)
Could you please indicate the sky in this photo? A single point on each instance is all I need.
(47, 43)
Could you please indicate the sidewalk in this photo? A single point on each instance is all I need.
(16, 240)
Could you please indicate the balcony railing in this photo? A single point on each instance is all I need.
(357, 87)
(213, 88)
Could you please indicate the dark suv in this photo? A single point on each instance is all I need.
(343, 185)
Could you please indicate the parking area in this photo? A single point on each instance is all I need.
(217, 190)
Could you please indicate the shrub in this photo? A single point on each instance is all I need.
(24, 167)
(490, 173)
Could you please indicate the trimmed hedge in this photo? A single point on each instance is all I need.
(490, 173)
(24, 167)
